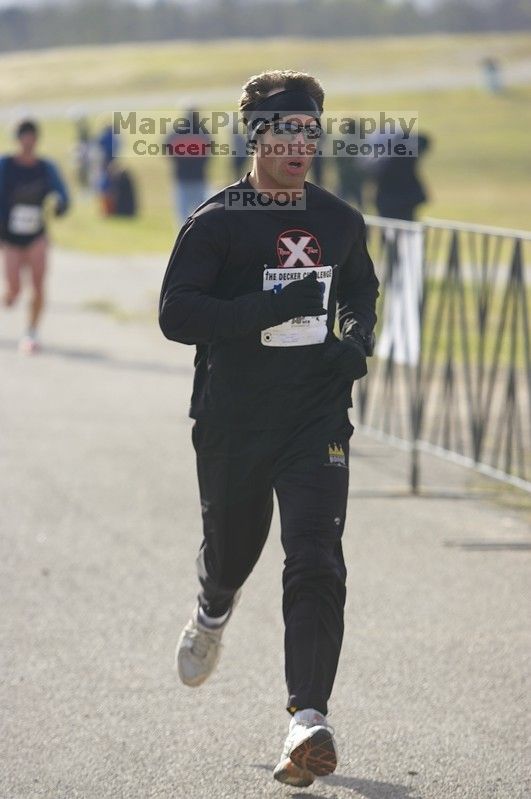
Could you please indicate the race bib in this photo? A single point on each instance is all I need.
(302, 330)
(25, 220)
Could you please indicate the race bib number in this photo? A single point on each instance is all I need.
(25, 220)
(302, 330)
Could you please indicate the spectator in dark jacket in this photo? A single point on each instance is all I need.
(189, 155)
(399, 189)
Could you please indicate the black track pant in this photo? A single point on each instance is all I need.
(307, 467)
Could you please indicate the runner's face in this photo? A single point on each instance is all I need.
(286, 159)
(28, 143)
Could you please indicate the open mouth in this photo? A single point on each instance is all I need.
(294, 165)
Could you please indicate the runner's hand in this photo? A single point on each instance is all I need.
(347, 358)
(299, 298)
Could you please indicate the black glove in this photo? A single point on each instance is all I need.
(347, 358)
(299, 298)
(352, 329)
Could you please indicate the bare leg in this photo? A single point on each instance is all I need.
(36, 257)
(13, 261)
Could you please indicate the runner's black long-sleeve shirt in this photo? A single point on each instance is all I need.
(248, 372)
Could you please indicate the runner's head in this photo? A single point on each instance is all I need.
(281, 110)
(27, 133)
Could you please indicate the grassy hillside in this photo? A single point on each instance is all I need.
(84, 72)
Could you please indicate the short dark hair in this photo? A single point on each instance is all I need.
(259, 86)
(27, 126)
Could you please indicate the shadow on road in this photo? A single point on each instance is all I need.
(368, 789)
(490, 546)
(97, 356)
(405, 493)
(371, 789)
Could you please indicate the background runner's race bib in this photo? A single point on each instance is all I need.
(302, 330)
(25, 220)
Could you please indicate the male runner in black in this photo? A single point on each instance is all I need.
(26, 181)
(271, 392)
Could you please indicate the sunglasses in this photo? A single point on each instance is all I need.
(287, 131)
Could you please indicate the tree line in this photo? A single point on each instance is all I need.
(103, 22)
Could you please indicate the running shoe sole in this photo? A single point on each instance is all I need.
(289, 774)
(316, 754)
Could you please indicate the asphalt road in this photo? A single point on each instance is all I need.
(100, 525)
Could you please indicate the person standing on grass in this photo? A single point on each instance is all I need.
(187, 146)
(256, 293)
(399, 188)
(26, 182)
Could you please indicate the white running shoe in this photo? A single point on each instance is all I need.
(309, 751)
(199, 648)
(29, 344)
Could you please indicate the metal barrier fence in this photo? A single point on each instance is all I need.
(452, 369)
